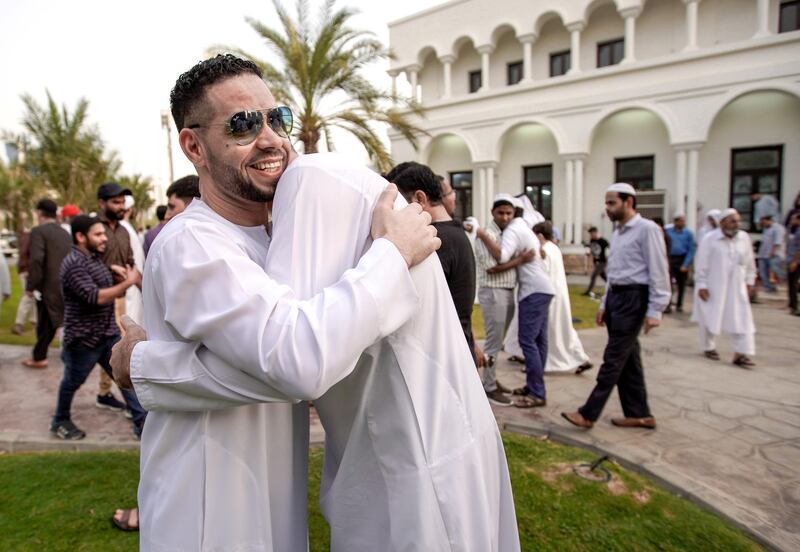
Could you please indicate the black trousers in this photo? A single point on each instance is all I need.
(45, 331)
(599, 270)
(793, 278)
(626, 307)
(675, 272)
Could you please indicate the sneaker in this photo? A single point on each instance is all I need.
(497, 398)
(66, 430)
(109, 402)
(502, 388)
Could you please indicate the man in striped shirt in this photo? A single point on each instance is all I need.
(89, 326)
(496, 285)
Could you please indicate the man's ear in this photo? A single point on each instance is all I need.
(192, 147)
(420, 197)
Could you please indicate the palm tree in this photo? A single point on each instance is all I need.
(319, 77)
(68, 155)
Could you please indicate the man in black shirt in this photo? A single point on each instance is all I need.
(89, 326)
(597, 246)
(419, 184)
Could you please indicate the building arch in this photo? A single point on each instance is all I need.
(436, 139)
(594, 4)
(546, 17)
(660, 112)
(462, 41)
(510, 126)
(424, 53)
(500, 30)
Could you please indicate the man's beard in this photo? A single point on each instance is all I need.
(232, 181)
(112, 215)
(730, 232)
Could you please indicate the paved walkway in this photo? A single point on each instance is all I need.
(728, 438)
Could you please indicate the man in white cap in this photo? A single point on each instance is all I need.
(725, 274)
(496, 285)
(535, 293)
(637, 293)
(681, 254)
(134, 305)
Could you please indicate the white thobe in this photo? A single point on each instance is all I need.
(134, 303)
(564, 349)
(235, 479)
(725, 267)
(414, 459)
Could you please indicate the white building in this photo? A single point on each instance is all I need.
(699, 100)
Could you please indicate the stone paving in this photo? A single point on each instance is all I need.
(728, 438)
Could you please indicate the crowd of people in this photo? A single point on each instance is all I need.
(320, 303)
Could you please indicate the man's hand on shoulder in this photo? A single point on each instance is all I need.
(409, 229)
(122, 351)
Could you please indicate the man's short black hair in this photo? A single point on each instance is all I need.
(81, 224)
(545, 229)
(190, 86)
(397, 169)
(161, 212)
(624, 197)
(416, 176)
(48, 207)
(593, 229)
(185, 189)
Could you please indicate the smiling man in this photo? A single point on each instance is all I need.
(234, 479)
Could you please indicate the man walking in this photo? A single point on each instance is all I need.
(724, 280)
(48, 246)
(638, 291)
(793, 262)
(496, 285)
(681, 254)
(89, 326)
(597, 249)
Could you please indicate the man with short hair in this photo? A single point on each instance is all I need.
(765, 205)
(724, 279)
(48, 246)
(89, 326)
(161, 212)
(448, 196)
(236, 478)
(597, 249)
(533, 301)
(771, 252)
(180, 194)
(681, 254)
(496, 285)
(418, 184)
(638, 291)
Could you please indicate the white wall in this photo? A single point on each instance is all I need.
(630, 133)
(757, 119)
(604, 24)
(468, 60)
(449, 153)
(660, 29)
(724, 21)
(431, 79)
(508, 50)
(552, 38)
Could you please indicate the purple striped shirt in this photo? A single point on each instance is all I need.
(83, 275)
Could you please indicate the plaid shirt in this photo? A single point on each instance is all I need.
(83, 275)
(485, 261)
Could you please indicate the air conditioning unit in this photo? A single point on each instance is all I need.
(652, 203)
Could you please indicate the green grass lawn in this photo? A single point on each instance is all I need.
(9, 312)
(63, 502)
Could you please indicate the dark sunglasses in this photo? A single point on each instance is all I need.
(245, 126)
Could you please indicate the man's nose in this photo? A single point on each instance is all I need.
(268, 138)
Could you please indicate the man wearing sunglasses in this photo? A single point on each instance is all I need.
(235, 478)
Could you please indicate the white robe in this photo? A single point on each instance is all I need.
(564, 349)
(235, 478)
(725, 267)
(414, 459)
(134, 303)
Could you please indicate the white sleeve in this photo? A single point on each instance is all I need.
(5, 277)
(660, 286)
(508, 244)
(749, 260)
(701, 264)
(214, 294)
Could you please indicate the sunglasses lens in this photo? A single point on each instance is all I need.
(245, 126)
(281, 120)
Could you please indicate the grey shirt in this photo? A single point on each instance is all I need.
(638, 256)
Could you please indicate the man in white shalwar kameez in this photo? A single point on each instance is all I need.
(564, 348)
(724, 277)
(134, 304)
(235, 479)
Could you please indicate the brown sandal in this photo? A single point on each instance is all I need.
(521, 391)
(123, 524)
(529, 401)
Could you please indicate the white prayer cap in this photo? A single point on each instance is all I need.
(714, 214)
(508, 198)
(517, 203)
(727, 212)
(678, 214)
(129, 202)
(622, 188)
